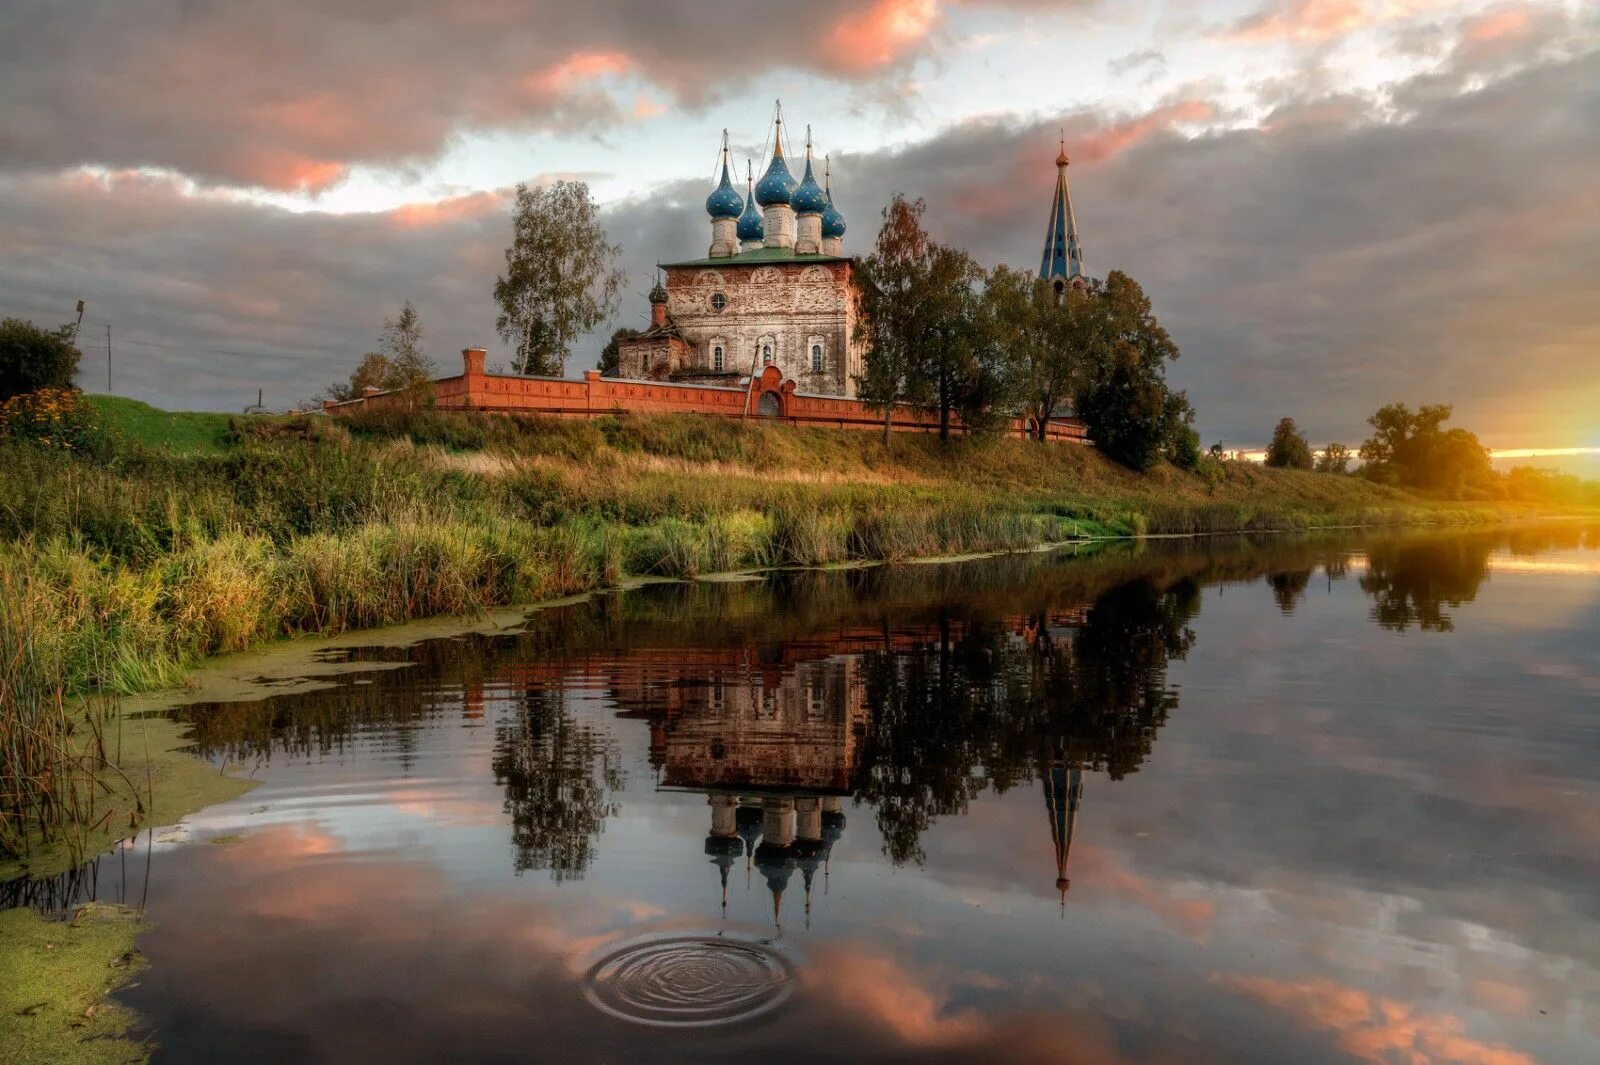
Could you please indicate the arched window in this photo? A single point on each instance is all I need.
(716, 357)
(816, 358)
(766, 354)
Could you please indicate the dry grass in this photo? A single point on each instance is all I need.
(116, 576)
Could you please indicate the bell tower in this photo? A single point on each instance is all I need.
(1062, 264)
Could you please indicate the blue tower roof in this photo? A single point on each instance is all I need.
(808, 198)
(777, 184)
(832, 220)
(724, 201)
(1063, 252)
(751, 225)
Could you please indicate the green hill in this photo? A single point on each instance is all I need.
(182, 432)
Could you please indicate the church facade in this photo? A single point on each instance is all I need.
(774, 289)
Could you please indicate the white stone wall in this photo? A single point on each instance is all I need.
(780, 225)
(789, 306)
(724, 237)
(808, 234)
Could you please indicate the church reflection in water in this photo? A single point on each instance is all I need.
(776, 756)
(907, 718)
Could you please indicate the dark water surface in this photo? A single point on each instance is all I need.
(1300, 800)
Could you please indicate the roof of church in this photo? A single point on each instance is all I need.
(760, 256)
(1063, 252)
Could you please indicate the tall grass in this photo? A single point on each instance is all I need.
(118, 574)
(55, 756)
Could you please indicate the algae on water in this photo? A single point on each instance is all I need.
(55, 977)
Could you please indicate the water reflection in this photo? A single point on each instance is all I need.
(897, 803)
(559, 776)
(1419, 584)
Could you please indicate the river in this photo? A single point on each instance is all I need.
(1295, 799)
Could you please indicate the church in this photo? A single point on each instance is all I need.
(764, 325)
(774, 289)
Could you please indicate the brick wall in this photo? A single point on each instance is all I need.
(596, 396)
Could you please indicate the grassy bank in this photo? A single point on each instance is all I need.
(184, 538)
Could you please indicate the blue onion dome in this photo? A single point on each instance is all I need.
(751, 225)
(832, 220)
(777, 184)
(724, 201)
(808, 198)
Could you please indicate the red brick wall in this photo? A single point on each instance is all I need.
(595, 396)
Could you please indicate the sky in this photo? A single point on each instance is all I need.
(1334, 204)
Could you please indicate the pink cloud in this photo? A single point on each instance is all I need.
(1321, 20)
(1118, 137)
(882, 34)
(455, 209)
(887, 998)
(1373, 1028)
(579, 68)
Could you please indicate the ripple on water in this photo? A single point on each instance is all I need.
(690, 981)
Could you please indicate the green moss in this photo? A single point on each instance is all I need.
(53, 1006)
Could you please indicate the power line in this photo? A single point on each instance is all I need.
(188, 347)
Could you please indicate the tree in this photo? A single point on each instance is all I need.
(560, 281)
(611, 354)
(32, 358)
(401, 343)
(959, 352)
(889, 282)
(1289, 448)
(397, 366)
(1048, 341)
(1414, 450)
(1122, 396)
(1335, 458)
(374, 371)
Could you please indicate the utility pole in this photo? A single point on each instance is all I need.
(108, 358)
(755, 365)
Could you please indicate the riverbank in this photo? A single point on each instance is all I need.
(178, 541)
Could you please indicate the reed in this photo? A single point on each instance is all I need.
(55, 755)
(120, 572)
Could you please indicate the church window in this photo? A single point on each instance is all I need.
(766, 353)
(716, 358)
(719, 300)
(816, 358)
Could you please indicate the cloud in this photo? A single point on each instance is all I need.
(289, 96)
(1321, 20)
(211, 297)
(1332, 259)
(1376, 1029)
(880, 35)
(913, 1013)
(1150, 60)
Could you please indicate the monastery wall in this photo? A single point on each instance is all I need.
(770, 396)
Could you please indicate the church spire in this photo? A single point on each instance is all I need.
(1062, 264)
(1063, 791)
